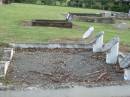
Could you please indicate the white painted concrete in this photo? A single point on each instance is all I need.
(88, 32)
(112, 54)
(97, 47)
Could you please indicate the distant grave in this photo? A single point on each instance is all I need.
(49, 23)
(108, 20)
(117, 15)
(90, 17)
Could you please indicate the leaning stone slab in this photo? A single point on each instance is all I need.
(98, 43)
(88, 33)
(112, 51)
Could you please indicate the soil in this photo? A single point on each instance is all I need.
(49, 67)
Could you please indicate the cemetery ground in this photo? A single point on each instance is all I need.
(12, 30)
(50, 68)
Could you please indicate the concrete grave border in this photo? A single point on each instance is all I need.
(5, 62)
(51, 45)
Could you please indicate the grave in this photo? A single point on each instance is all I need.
(55, 64)
(52, 23)
(109, 20)
(117, 15)
(90, 17)
(86, 14)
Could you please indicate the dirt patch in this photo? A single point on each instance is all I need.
(125, 48)
(57, 66)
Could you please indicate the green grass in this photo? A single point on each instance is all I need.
(12, 30)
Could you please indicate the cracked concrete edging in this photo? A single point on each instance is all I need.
(5, 62)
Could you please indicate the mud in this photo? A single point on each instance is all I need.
(54, 67)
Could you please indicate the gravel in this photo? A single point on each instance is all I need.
(54, 67)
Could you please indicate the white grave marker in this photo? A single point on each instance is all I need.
(88, 32)
(69, 17)
(112, 51)
(97, 47)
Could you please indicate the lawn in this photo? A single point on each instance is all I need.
(12, 30)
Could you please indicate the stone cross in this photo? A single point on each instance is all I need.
(88, 32)
(97, 46)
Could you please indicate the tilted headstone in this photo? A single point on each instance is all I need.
(97, 46)
(88, 32)
(112, 51)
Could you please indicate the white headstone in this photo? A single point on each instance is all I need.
(113, 52)
(69, 17)
(126, 74)
(88, 32)
(97, 46)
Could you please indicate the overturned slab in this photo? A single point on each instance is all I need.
(88, 33)
(52, 23)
